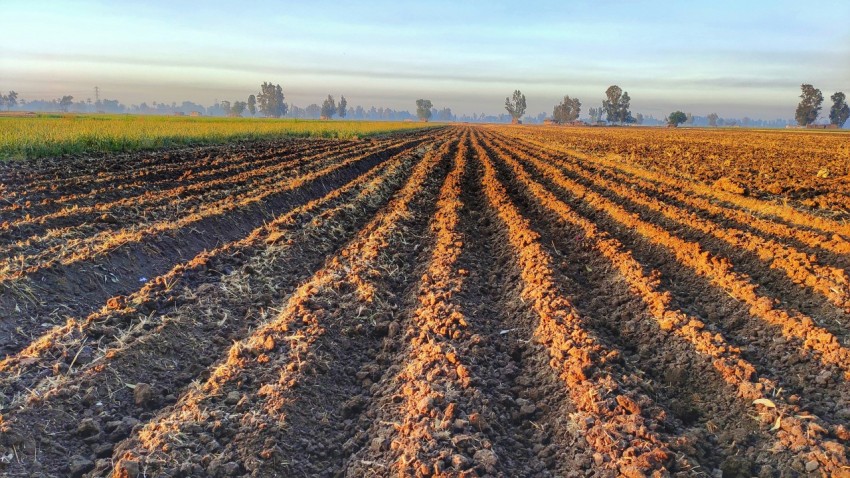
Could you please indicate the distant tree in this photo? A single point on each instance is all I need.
(616, 105)
(567, 111)
(225, 107)
(65, 103)
(238, 108)
(690, 119)
(712, 119)
(838, 114)
(595, 114)
(313, 111)
(516, 106)
(328, 108)
(112, 106)
(625, 113)
(639, 118)
(340, 108)
(423, 109)
(270, 100)
(445, 114)
(252, 105)
(810, 104)
(676, 118)
(10, 100)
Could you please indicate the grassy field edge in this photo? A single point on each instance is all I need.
(49, 135)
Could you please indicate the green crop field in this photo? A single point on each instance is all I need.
(27, 137)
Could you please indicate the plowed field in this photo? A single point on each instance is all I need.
(488, 301)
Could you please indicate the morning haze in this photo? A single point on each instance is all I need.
(736, 59)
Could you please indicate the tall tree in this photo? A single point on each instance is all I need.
(616, 105)
(567, 111)
(423, 109)
(838, 114)
(712, 119)
(270, 100)
(252, 105)
(810, 104)
(639, 118)
(328, 108)
(65, 103)
(516, 106)
(340, 108)
(676, 118)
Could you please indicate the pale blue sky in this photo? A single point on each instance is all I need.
(733, 57)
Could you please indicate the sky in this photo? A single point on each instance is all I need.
(736, 58)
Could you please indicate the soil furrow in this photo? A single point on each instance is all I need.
(278, 363)
(619, 421)
(798, 267)
(767, 209)
(692, 400)
(193, 166)
(777, 355)
(117, 271)
(467, 301)
(210, 315)
(272, 242)
(788, 275)
(677, 192)
(41, 238)
(720, 271)
(439, 411)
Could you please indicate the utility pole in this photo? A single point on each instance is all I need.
(96, 96)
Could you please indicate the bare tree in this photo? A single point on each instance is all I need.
(712, 119)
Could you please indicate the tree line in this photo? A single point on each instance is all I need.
(811, 101)
(269, 101)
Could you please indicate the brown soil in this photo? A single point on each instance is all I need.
(458, 302)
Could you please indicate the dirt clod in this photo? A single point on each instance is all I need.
(78, 465)
(737, 467)
(143, 395)
(486, 460)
